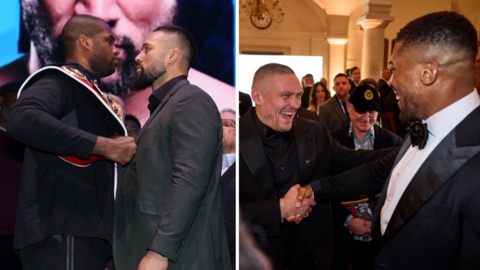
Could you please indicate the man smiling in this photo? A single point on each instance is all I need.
(279, 151)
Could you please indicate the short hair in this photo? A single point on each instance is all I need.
(132, 118)
(313, 97)
(444, 29)
(340, 75)
(271, 69)
(353, 69)
(87, 25)
(368, 81)
(232, 111)
(185, 40)
(348, 72)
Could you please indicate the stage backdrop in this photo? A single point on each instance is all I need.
(31, 28)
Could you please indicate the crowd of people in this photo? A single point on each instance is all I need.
(352, 187)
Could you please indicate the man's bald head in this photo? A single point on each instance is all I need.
(80, 25)
(265, 73)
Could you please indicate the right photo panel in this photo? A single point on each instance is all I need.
(358, 134)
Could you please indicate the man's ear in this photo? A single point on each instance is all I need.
(256, 96)
(429, 73)
(85, 42)
(173, 55)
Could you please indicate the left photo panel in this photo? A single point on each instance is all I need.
(117, 134)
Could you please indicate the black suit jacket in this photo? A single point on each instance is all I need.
(227, 182)
(435, 224)
(318, 153)
(304, 113)
(306, 97)
(245, 102)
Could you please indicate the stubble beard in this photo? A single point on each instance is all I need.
(145, 78)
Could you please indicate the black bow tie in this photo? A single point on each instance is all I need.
(269, 133)
(418, 134)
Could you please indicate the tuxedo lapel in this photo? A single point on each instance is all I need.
(159, 107)
(437, 169)
(251, 148)
(381, 200)
(305, 138)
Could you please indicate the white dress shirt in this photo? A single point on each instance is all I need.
(439, 126)
(227, 161)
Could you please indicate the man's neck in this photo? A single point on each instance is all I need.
(228, 151)
(167, 77)
(81, 61)
(344, 99)
(359, 134)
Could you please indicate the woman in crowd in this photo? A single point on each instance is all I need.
(318, 96)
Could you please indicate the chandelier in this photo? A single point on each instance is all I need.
(261, 12)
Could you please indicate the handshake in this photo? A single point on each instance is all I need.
(297, 203)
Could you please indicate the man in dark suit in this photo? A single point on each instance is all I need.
(354, 78)
(333, 113)
(227, 181)
(168, 209)
(66, 192)
(384, 88)
(245, 102)
(279, 152)
(427, 213)
(361, 133)
(307, 83)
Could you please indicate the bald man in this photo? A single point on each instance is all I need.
(278, 153)
(427, 214)
(65, 208)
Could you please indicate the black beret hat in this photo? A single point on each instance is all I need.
(365, 98)
(11, 87)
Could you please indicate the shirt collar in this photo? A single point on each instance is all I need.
(371, 131)
(159, 94)
(232, 157)
(442, 122)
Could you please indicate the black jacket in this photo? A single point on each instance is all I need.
(318, 153)
(57, 115)
(435, 224)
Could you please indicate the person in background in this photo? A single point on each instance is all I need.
(318, 96)
(227, 180)
(132, 125)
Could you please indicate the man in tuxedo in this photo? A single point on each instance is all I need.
(427, 213)
(351, 245)
(383, 87)
(279, 152)
(227, 181)
(168, 210)
(307, 83)
(334, 113)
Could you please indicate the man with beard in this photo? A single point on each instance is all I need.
(427, 213)
(65, 208)
(131, 23)
(168, 207)
(334, 113)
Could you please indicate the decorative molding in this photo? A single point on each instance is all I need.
(375, 15)
(285, 50)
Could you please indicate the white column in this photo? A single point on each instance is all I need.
(337, 58)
